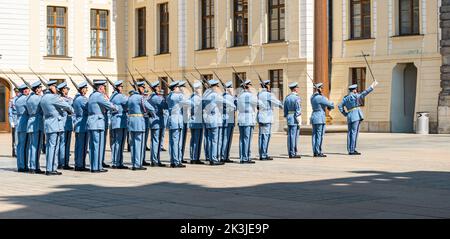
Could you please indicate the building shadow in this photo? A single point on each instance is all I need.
(368, 194)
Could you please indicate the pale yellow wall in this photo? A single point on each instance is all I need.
(386, 51)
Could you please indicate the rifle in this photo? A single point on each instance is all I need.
(24, 81)
(192, 87)
(169, 76)
(71, 80)
(85, 77)
(310, 78)
(235, 72)
(203, 83)
(259, 77)
(370, 69)
(107, 79)
(221, 82)
(202, 76)
(133, 83)
(40, 79)
(10, 80)
(143, 77)
(160, 78)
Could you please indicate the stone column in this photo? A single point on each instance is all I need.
(444, 95)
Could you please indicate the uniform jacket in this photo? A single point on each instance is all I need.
(53, 107)
(319, 104)
(98, 107)
(266, 102)
(196, 108)
(22, 113)
(12, 112)
(160, 105)
(352, 102)
(246, 106)
(119, 118)
(68, 120)
(138, 106)
(292, 109)
(229, 113)
(175, 102)
(35, 114)
(81, 113)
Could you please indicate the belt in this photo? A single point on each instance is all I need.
(136, 115)
(353, 109)
(292, 112)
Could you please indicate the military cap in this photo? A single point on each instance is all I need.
(62, 86)
(293, 85)
(118, 83)
(229, 84)
(82, 85)
(213, 82)
(23, 87)
(173, 84)
(182, 83)
(318, 85)
(353, 87)
(99, 82)
(247, 82)
(16, 90)
(52, 82)
(36, 84)
(154, 84)
(140, 84)
(266, 82)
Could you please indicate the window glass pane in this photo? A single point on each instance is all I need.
(2, 103)
(50, 36)
(93, 42)
(103, 19)
(60, 41)
(50, 16)
(60, 16)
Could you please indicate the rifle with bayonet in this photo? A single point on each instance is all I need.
(40, 79)
(10, 80)
(133, 83)
(202, 77)
(169, 76)
(239, 77)
(368, 65)
(203, 83)
(85, 77)
(160, 78)
(221, 82)
(24, 81)
(189, 83)
(71, 80)
(108, 80)
(259, 77)
(144, 78)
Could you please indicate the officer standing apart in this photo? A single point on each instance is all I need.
(22, 123)
(246, 105)
(196, 124)
(98, 106)
(352, 111)
(159, 103)
(319, 104)
(66, 138)
(118, 126)
(229, 122)
(12, 116)
(35, 128)
(80, 126)
(53, 107)
(266, 102)
(292, 113)
(175, 102)
(138, 106)
(147, 128)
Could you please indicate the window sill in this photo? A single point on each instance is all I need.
(206, 49)
(408, 36)
(58, 58)
(360, 39)
(276, 43)
(137, 57)
(100, 59)
(163, 54)
(239, 47)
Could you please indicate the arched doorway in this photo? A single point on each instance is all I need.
(5, 92)
(403, 98)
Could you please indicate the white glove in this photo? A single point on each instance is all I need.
(299, 120)
(374, 84)
(12, 125)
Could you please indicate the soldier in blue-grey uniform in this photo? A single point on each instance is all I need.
(266, 102)
(118, 126)
(80, 127)
(319, 104)
(186, 116)
(66, 138)
(205, 132)
(228, 124)
(196, 124)
(35, 128)
(247, 103)
(138, 107)
(159, 103)
(350, 108)
(22, 127)
(293, 113)
(53, 107)
(98, 106)
(146, 96)
(175, 102)
(12, 116)
(166, 123)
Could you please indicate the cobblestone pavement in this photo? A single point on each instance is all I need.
(398, 176)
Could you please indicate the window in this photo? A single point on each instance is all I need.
(141, 32)
(99, 33)
(56, 31)
(276, 82)
(359, 77)
(360, 19)
(409, 17)
(208, 24)
(276, 20)
(164, 28)
(240, 22)
(237, 77)
(163, 85)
